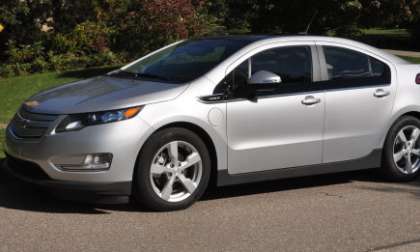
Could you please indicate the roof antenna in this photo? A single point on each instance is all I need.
(308, 27)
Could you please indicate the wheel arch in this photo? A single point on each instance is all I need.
(415, 112)
(203, 134)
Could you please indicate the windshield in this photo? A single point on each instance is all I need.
(185, 61)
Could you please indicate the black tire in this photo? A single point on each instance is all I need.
(143, 192)
(389, 168)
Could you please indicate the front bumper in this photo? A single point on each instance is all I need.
(31, 173)
(122, 139)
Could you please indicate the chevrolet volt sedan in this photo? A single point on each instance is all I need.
(222, 110)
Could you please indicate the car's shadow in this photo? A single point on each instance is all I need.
(15, 194)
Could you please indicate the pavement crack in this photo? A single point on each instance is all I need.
(332, 195)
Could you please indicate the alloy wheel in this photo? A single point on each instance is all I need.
(406, 150)
(176, 171)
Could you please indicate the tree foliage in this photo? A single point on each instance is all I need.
(60, 34)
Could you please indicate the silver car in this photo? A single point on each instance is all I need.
(222, 110)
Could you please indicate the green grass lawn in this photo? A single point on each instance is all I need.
(397, 39)
(401, 33)
(412, 59)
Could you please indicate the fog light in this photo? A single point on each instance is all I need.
(90, 162)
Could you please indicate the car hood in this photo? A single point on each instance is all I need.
(101, 94)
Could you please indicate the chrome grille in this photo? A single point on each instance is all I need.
(31, 125)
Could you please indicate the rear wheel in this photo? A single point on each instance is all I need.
(402, 150)
(173, 170)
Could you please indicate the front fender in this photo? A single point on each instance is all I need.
(197, 114)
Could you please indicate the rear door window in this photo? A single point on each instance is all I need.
(346, 67)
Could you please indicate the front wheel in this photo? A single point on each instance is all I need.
(173, 170)
(402, 150)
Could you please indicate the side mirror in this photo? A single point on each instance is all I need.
(264, 77)
(246, 91)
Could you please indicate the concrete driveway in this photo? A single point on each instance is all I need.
(344, 212)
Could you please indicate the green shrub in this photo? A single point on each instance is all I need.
(24, 53)
(9, 70)
(67, 61)
(91, 37)
(71, 61)
(107, 58)
(63, 43)
(39, 65)
(61, 62)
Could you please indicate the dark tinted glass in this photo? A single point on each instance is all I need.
(351, 66)
(292, 64)
(240, 74)
(186, 61)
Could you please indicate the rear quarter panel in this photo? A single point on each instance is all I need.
(407, 96)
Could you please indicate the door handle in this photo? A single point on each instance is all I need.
(310, 100)
(379, 93)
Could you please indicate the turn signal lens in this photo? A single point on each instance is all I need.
(131, 112)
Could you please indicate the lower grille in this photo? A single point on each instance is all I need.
(31, 125)
(26, 169)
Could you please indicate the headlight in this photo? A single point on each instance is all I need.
(79, 121)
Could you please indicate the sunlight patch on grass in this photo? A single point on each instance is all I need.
(412, 59)
(403, 33)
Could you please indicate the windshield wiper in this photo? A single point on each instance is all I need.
(147, 76)
(122, 74)
(150, 76)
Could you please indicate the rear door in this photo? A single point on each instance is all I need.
(359, 92)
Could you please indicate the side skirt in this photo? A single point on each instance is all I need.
(373, 160)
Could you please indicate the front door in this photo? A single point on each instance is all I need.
(283, 126)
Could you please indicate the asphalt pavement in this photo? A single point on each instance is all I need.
(343, 212)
